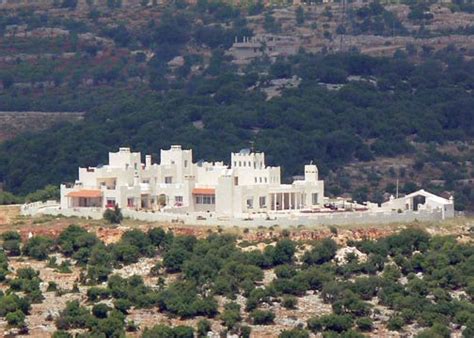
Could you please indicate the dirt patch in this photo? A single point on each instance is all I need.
(8, 213)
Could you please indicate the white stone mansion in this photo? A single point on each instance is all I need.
(245, 193)
(248, 185)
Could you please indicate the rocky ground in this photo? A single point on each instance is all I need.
(40, 320)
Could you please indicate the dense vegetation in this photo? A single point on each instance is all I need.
(410, 276)
(430, 102)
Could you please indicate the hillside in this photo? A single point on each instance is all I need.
(62, 277)
(16, 123)
(365, 83)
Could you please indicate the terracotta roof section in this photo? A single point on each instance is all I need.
(204, 191)
(85, 193)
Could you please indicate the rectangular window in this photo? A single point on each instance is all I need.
(185, 163)
(130, 202)
(265, 180)
(110, 202)
(314, 197)
(236, 180)
(178, 199)
(205, 199)
(262, 201)
(250, 203)
(255, 180)
(168, 179)
(260, 180)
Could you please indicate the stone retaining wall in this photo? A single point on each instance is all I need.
(210, 219)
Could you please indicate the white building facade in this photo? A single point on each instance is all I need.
(248, 186)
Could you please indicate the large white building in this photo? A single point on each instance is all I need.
(245, 193)
(247, 186)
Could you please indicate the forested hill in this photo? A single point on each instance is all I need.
(149, 75)
(378, 106)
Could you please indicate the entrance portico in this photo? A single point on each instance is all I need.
(287, 200)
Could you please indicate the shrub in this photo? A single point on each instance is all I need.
(113, 216)
(261, 317)
(74, 316)
(395, 323)
(231, 315)
(122, 305)
(283, 251)
(294, 333)
(12, 247)
(38, 247)
(245, 331)
(94, 293)
(100, 310)
(182, 331)
(289, 302)
(16, 318)
(285, 271)
(337, 323)
(203, 327)
(163, 331)
(322, 252)
(10, 236)
(364, 324)
(437, 330)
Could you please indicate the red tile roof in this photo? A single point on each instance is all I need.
(204, 191)
(85, 193)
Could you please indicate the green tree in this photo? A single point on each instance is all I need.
(16, 318)
(113, 216)
(231, 315)
(38, 247)
(261, 317)
(284, 252)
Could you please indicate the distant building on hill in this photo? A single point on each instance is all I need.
(270, 45)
